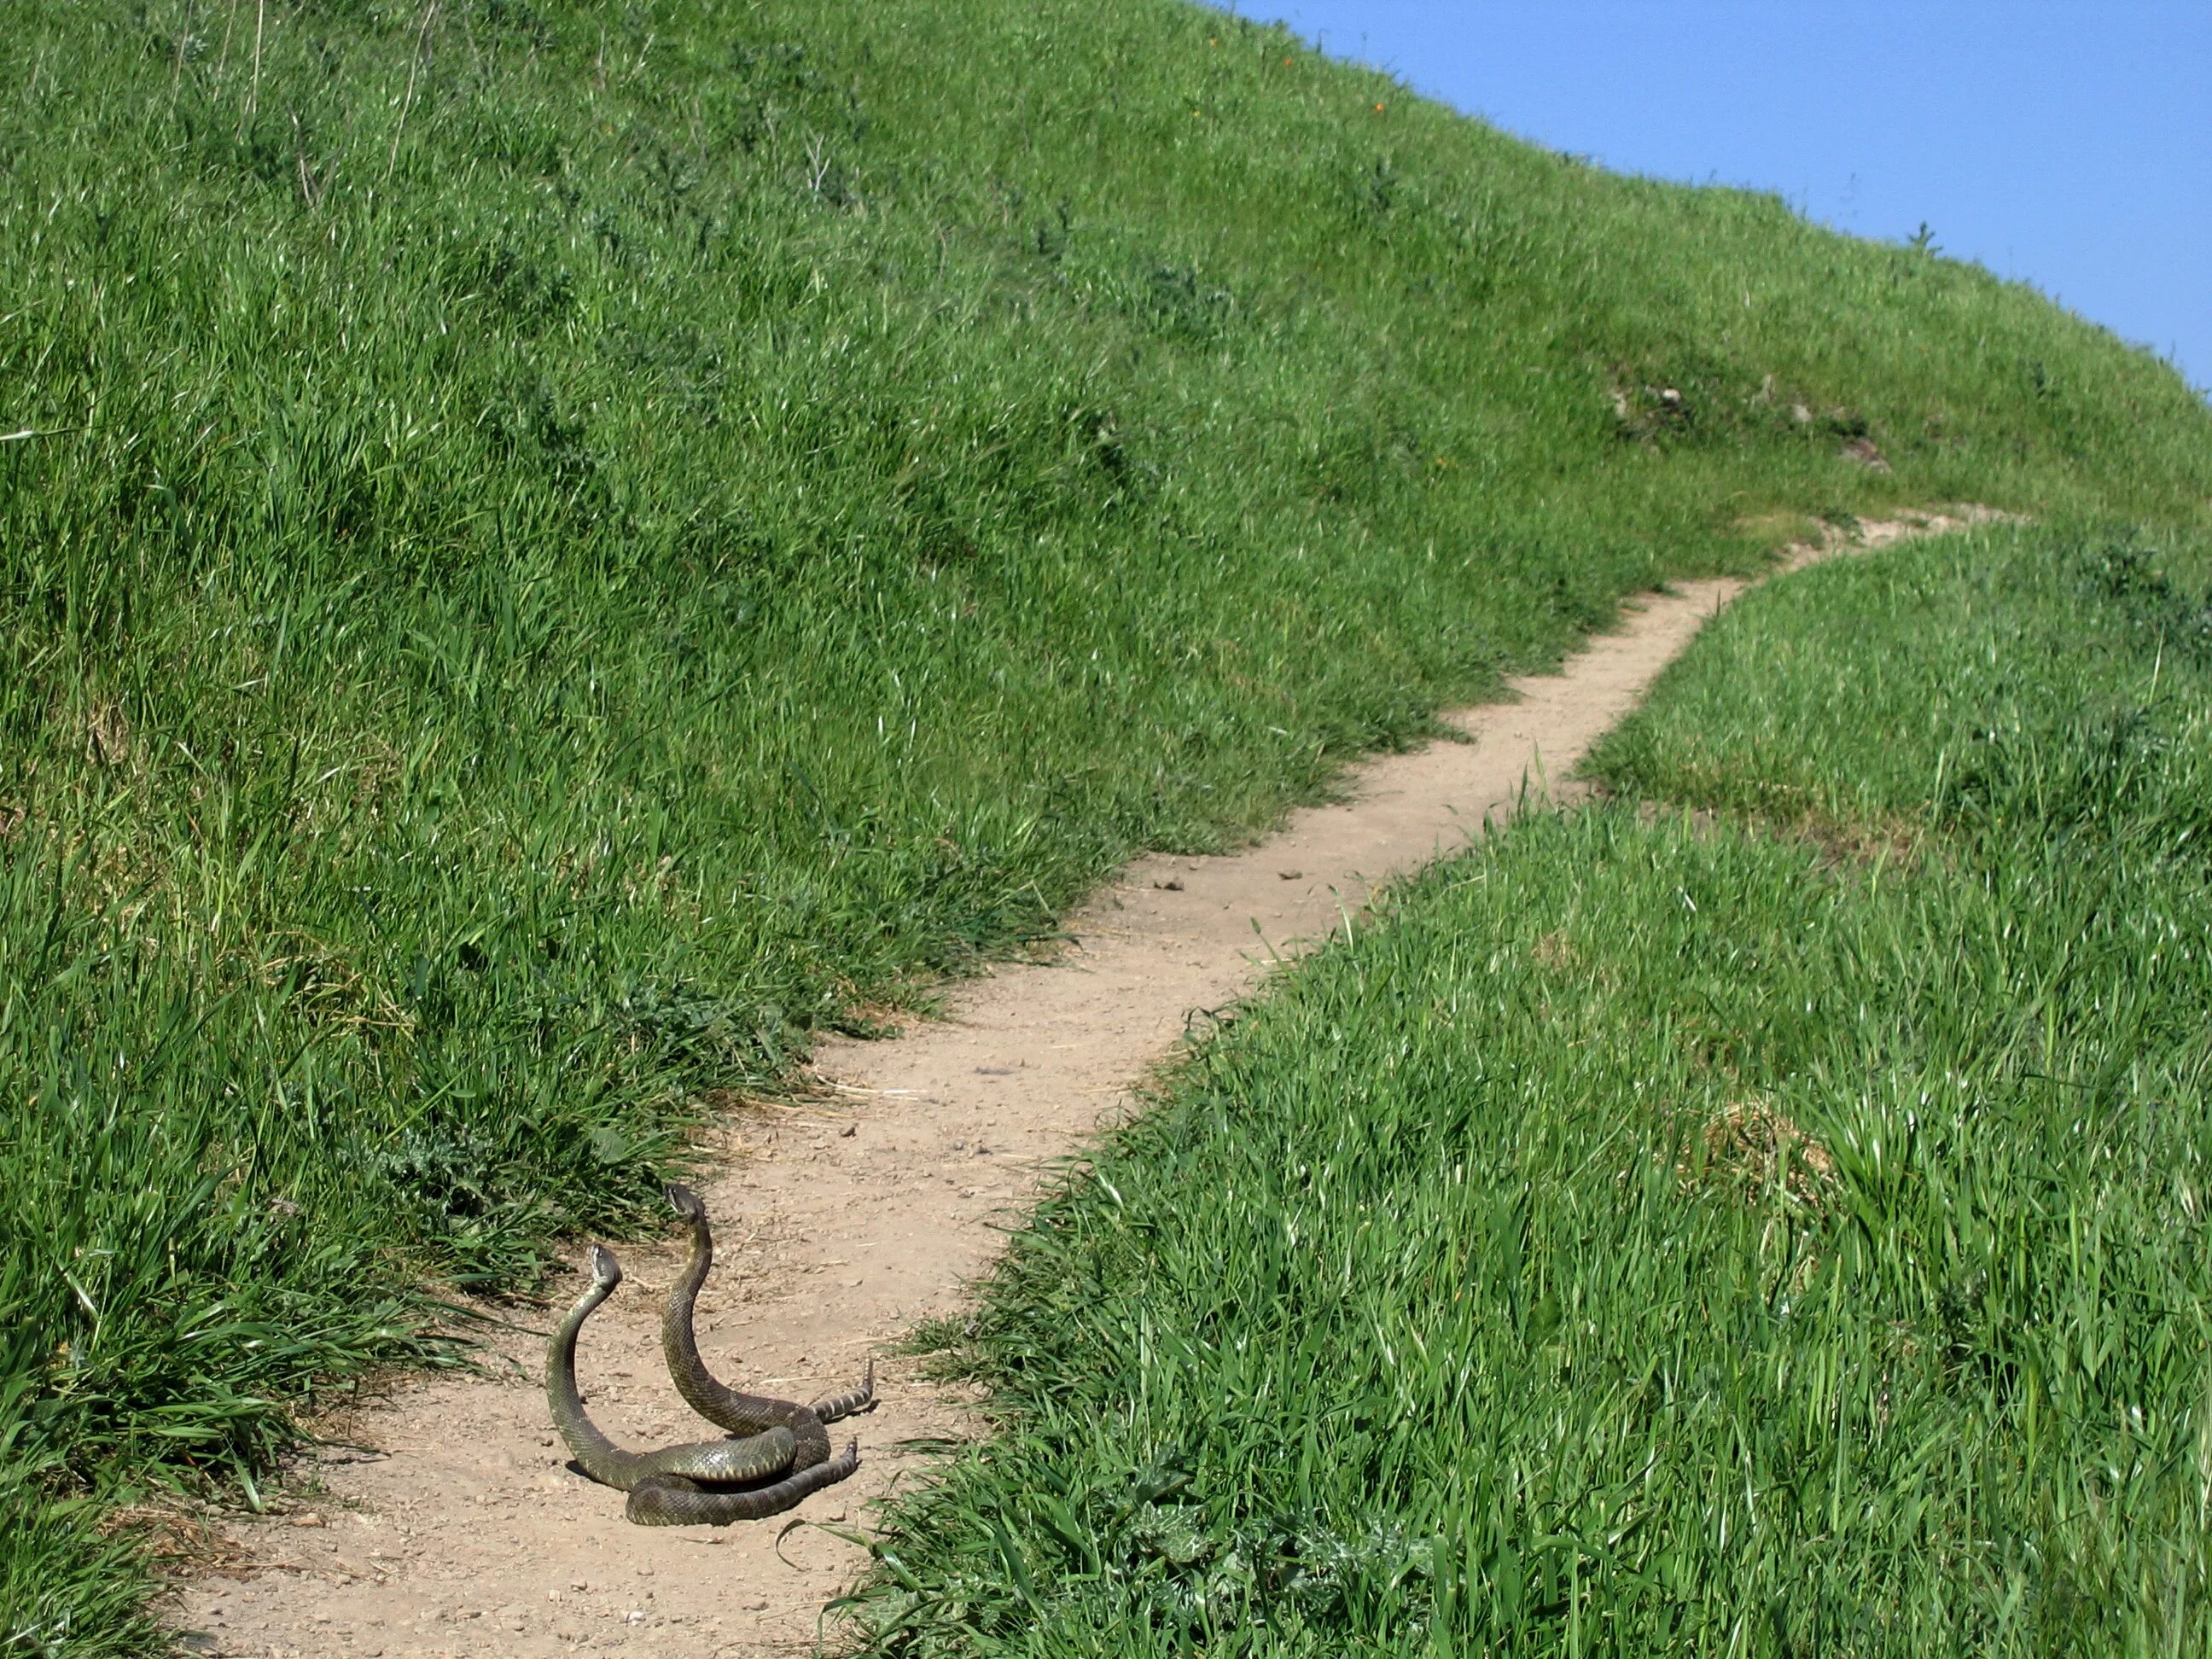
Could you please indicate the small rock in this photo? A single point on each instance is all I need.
(848, 1131)
(306, 1518)
(1291, 875)
(1172, 884)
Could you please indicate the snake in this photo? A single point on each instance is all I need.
(724, 1408)
(676, 1485)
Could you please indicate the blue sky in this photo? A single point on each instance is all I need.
(2067, 145)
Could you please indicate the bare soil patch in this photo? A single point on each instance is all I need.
(842, 1224)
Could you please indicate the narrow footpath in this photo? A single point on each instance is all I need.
(838, 1227)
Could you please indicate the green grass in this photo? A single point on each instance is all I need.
(548, 553)
(1655, 1236)
(2014, 682)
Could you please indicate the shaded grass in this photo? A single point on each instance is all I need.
(1656, 1237)
(548, 553)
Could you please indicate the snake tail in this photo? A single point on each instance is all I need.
(852, 1402)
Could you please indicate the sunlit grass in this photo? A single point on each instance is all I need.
(1652, 1236)
(547, 553)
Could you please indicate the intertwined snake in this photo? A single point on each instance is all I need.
(763, 1469)
(724, 1408)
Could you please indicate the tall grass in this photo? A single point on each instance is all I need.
(547, 553)
(1656, 1237)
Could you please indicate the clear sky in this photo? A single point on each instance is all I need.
(2068, 145)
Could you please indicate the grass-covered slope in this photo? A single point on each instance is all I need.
(547, 551)
(1651, 1237)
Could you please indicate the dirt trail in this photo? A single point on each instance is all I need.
(838, 1229)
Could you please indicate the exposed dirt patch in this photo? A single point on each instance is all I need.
(1754, 1143)
(842, 1224)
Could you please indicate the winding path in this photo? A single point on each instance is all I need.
(875, 1210)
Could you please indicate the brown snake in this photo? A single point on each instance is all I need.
(724, 1408)
(685, 1485)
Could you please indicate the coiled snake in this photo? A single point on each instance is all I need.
(679, 1485)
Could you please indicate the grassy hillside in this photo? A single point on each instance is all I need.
(548, 552)
(1652, 1237)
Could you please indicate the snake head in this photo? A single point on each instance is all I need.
(685, 1203)
(606, 1270)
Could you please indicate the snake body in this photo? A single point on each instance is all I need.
(677, 1484)
(723, 1406)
